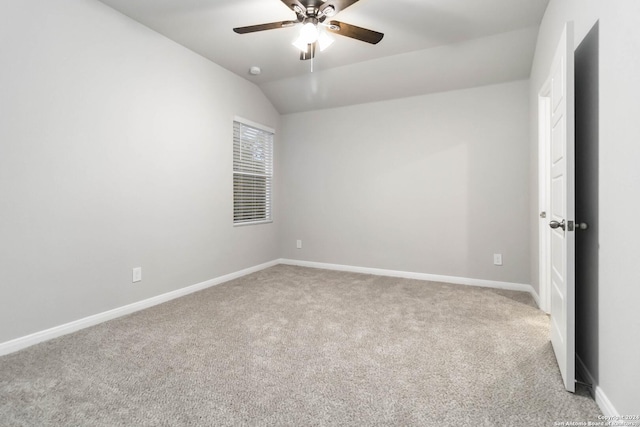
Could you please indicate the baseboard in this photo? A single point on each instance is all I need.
(605, 405)
(535, 296)
(419, 276)
(57, 331)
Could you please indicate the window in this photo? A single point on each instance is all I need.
(252, 172)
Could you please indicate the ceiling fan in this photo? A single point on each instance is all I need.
(313, 14)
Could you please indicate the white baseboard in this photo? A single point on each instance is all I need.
(57, 331)
(419, 276)
(535, 296)
(20, 343)
(605, 405)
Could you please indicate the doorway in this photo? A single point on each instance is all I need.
(586, 60)
(587, 203)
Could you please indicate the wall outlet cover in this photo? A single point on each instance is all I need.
(497, 259)
(137, 274)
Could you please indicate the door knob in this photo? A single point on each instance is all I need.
(556, 224)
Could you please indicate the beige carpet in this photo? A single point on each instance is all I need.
(302, 347)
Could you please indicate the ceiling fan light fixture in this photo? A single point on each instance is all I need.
(300, 44)
(309, 33)
(324, 40)
(315, 33)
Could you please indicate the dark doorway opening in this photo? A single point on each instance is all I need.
(587, 183)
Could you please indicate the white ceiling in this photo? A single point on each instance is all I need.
(428, 46)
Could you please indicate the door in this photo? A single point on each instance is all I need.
(561, 208)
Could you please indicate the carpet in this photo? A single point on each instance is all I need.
(299, 346)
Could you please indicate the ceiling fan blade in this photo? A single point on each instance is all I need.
(354, 32)
(309, 53)
(338, 5)
(262, 27)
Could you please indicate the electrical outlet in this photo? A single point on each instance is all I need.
(137, 274)
(497, 259)
(299, 244)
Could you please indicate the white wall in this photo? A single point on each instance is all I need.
(431, 184)
(617, 371)
(115, 152)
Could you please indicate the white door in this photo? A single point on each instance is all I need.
(561, 209)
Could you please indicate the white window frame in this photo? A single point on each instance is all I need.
(258, 166)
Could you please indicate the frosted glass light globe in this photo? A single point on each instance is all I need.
(309, 33)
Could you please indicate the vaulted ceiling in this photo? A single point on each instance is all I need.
(428, 46)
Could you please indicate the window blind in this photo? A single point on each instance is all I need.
(252, 173)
